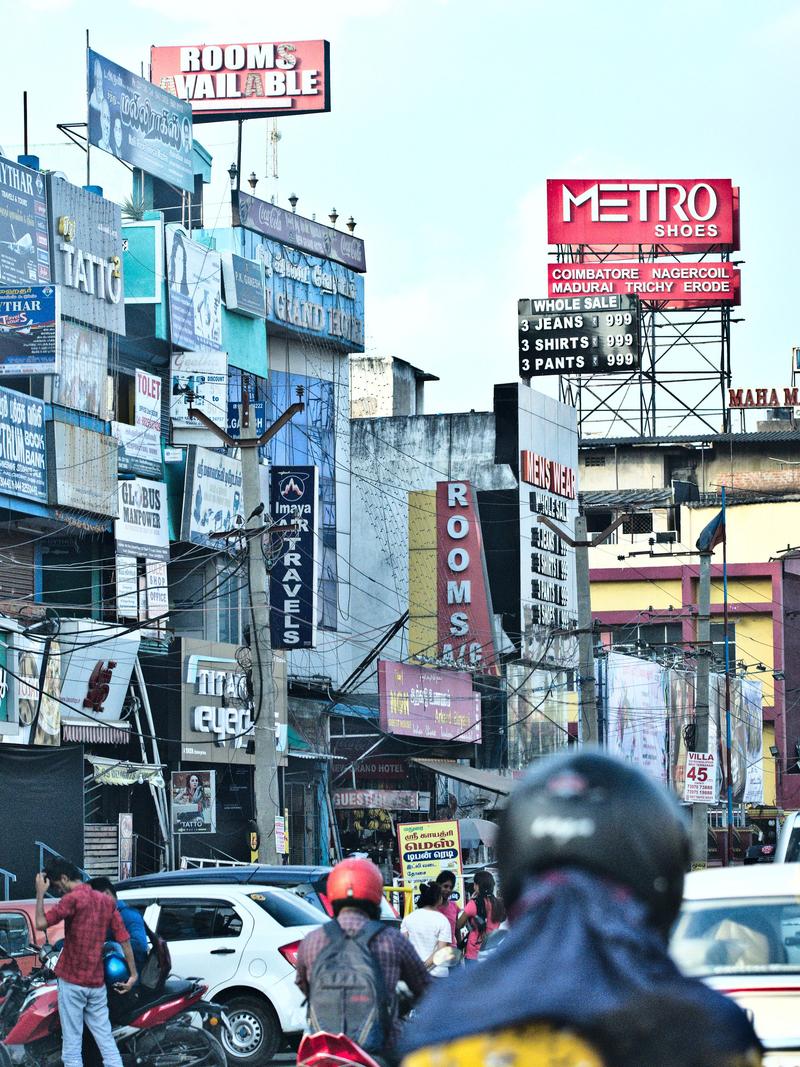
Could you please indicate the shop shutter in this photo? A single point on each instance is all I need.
(16, 567)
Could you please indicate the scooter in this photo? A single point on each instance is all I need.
(154, 1029)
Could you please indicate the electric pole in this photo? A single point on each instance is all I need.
(265, 771)
(701, 704)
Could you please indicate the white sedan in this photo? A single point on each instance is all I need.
(739, 930)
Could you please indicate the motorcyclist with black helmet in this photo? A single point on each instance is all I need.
(591, 858)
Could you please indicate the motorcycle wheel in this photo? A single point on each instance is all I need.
(178, 1045)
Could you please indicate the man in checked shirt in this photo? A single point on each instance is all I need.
(87, 917)
(355, 890)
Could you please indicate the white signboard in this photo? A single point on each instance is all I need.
(127, 598)
(198, 380)
(700, 781)
(95, 677)
(157, 592)
(148, 401)
(142, 528)
(212, 497)
(139, 450)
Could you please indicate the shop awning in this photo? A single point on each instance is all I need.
(109, 771)
(112, 733)
(299, 748)
(476, 832)
(354, 711)
(489, 780)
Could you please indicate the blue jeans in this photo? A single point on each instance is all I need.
(77, 1005)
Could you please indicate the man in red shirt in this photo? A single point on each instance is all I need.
(87, 917)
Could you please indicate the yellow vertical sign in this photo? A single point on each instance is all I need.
(427, 849)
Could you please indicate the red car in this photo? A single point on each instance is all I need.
(18, 932)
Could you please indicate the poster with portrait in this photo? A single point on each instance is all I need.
(636, 719)
(39, 720)
(194, 279)
(133, 120)
(194, 802)
(212, 497)
(81, 382)
(198, 380)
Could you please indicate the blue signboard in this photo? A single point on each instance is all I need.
(140, 123)
(244, 286)
(23, 463)
(30, 334)
(24, 243)
(293, 578)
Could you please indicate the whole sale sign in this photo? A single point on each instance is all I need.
(701, 778)
(578, 335)
(691, 212)
(427, 849)
(679, 283)
(429, 703)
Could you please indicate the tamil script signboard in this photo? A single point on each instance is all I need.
(30, 330)
(428, 703)
(212, 497)
(245, 81)
(427, 849)
(23, 463)
(24, 242)
(133, 120)
(578, 335)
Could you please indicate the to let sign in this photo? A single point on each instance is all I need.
(578, 335)
(701, 777)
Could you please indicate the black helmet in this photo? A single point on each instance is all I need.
(595, 812)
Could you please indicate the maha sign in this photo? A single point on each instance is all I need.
(608, 211)
(245, 81)
(425, 702)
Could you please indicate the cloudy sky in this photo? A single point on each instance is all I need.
(447, 119)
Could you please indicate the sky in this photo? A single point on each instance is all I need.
(447, 118)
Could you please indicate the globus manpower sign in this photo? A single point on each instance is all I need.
(609, 211)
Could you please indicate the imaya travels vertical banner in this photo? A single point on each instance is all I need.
(427, 849)
(194, 802)
(295, 574)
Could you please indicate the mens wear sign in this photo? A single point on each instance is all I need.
(466, 634)
(690, 212)
(133, 120)
(24, 242)
(142, 528)
(295, 574)
(227, 81)
(428, 703)
(30, 330)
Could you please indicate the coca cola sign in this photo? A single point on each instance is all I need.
(272, 221)
(694, 213)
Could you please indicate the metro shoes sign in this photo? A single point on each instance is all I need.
(608, 211)
(464, 607)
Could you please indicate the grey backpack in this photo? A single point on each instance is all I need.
(347, 992)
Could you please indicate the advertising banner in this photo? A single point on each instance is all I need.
(578, 335)
(147, 409)
(194, 280)
(212, 496)
(765, 397)
(427, 849)
(387, 799)
(695, 213)
(125, 842)
(140, 123)
(142, 526)
(681, 284)
(30, 330)
(86, 239)
(747, 752)
(295, 575)
(428, 703)
(139, 450)
(23, 462)
(198, 380)
(464, 606)
(81, 382)
(127, 587)
(39, 719)
(636, 716)
(244, 286)
(24, 241)
(95, 677)
(157, 590)
(307, 235)
(82, 468)
(700, 778)
(245, 81)
(194, 802)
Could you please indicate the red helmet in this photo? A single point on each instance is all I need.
(355, 879)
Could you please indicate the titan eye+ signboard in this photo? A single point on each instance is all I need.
(245, 81)
(24, 243)
(578, 335)
(294, 576)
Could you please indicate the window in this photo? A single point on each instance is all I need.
(598, 520)
(640, 523)
(718, 646)
(738, 935)
(592, 459)
(653, 637)
(196, 920)
(15, 934)
(288, 909)
(230, 595)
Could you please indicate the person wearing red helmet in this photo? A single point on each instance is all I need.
(349, 968)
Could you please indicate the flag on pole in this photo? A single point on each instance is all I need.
(713, 534)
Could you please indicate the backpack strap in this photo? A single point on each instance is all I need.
(333, 931)
(369, 931)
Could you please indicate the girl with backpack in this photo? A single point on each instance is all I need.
(482, 915)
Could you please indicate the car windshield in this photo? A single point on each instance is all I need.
(738, 936)
(287, 908)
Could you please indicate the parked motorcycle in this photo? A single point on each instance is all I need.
(154, 1029)
(332, 1050)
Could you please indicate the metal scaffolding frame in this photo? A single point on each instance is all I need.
(685, 368)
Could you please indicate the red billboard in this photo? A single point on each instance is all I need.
(464, 612)
(682, 284)
(245, 81)
(694, 213)
(428, 703)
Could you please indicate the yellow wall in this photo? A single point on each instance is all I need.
(768, 764)
(754, 531)
(635, 595)
(422, 618)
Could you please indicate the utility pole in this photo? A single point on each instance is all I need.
(591, 733)
(265, 771)
(701, 704)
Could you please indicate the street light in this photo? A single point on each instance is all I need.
(293, 201)
(252, 181)
(351, 224)
(233, 173)
(333, 216)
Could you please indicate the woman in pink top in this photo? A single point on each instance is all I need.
(449, 908)
(484, 913)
